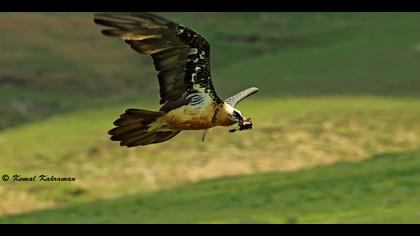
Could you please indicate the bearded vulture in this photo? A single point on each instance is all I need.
(182, 59)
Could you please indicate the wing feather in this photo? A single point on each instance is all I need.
(180, 56)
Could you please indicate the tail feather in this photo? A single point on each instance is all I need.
(134, 129)
(154, 137)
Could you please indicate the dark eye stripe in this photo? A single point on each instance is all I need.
(236, 115)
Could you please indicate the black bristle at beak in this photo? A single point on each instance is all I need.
(243, 125)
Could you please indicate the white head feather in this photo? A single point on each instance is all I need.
(228, 108)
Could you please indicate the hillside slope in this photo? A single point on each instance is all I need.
(335, 87)
(289, 135)
(381, 190)
(68, 65)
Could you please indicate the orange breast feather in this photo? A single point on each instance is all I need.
(190, 118)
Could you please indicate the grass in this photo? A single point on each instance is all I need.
(380, 190)
(289, 135)
(285, 54)
(335, 88)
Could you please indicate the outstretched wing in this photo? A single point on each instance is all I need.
(180, 55)
(235, 99)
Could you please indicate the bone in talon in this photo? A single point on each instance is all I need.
(245, 124)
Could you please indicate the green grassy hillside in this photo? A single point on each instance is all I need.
(381, 190)
(67, 64)
(289, 135)
(335, 88)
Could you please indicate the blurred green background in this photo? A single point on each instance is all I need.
(336, 122)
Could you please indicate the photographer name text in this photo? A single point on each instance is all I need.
(39, 178)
